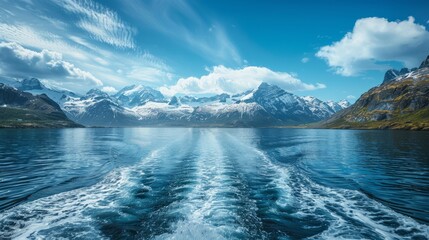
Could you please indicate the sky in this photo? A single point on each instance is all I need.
(329, 49)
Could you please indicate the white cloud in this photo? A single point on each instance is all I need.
(351, 97)
(31, 29)
(103, 24)
(110, 90)
(227, 80)
(375, 41)
(17, 61)
(305, 60)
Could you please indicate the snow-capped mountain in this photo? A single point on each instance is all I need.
(267, 105)
(288, 107)
(193, 101)
(137, 95)
(97, 108)
(320, 108)
(338, 106)
(35, 87)
(344, 104)
(137, 105)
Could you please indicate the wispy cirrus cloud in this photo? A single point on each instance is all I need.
(38, 38)
(115, 59)
(100, 22)
(179, 20)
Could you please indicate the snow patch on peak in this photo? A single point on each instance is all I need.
(344, 103)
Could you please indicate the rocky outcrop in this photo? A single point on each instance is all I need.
(425, 63)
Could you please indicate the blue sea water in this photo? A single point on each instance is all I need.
(197, 183)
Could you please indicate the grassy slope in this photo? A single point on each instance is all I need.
(411, 121)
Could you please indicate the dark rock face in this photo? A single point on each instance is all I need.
(404, 71)
(390, 75)
(425, 63)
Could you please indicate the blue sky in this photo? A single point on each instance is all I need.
(328, 49)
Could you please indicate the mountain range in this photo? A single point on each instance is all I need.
(401, 101)
(137, 105)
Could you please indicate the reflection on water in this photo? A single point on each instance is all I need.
(213, 184)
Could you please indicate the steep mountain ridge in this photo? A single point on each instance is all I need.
(399, 103)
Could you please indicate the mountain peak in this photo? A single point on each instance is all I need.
(137, 95)
(96, 92)
(264, 85)
(31, 84)
(174, 101)
(344, 103)
(390, 75)
(425, 63)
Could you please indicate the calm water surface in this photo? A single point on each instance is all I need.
(213, 184)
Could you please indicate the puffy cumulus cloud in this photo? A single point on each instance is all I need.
(221, 79)
(305, 60)
(17, 61)
(110, 90)
(374, 42)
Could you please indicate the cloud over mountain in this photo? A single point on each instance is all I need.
(222, 79)
(375, 41)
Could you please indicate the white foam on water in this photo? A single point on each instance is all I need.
(186, 230)
(209, 210)
(54, 214)
(348, 212)
(352, 214)
(279, 176)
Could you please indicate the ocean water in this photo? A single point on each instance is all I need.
(179, 183)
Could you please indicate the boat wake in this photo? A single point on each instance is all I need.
(211, 185)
